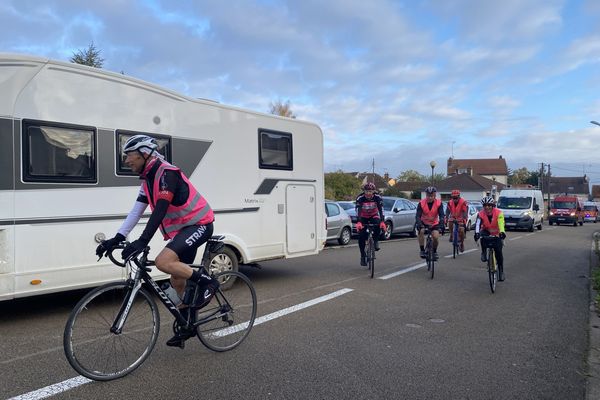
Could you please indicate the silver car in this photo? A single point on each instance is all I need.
(399, 216)
(339, 225)
(350, 208)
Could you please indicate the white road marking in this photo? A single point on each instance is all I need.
(516, 237)
(53, 389)
(403, 271)
(529, 234)
(80, 380)
(464, 252)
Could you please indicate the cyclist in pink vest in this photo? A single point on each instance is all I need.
(430, 214)
(457, 212)
(490, 228)
(369, 210)
(182, 214)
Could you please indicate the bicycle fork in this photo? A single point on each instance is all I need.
(117, 326)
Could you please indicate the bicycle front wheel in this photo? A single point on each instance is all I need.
(492, 270)
(371, 256)
(97, 353)
(227, 320)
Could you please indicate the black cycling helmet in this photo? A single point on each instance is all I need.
(431, 189)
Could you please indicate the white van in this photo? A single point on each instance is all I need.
(522, 208)
(64, 186)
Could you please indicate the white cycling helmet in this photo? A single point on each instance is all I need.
(140, 143)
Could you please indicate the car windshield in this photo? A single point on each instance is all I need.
(346, 205)
(589, 208)
(516, 203)
(563, 204)
(388, 204)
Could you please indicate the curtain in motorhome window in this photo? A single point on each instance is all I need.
(164, 148)
(275, 150)
(58, 154)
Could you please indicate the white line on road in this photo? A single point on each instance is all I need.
(80, 380)
(464, 252)
(402, 271)
(516, 237)
(53, 389)
(529, 234)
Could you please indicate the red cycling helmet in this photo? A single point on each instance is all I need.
(455, 193)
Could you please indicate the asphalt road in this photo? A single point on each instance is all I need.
(406, 336)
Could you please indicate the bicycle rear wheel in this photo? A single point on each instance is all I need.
(371, 256)
(229, 316)
(492, 269)
(97, 353)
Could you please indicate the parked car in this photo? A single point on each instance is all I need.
(472, 217)
(350, 208)
(399, 216)
(339, 225)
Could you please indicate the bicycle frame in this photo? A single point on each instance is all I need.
(139, 268)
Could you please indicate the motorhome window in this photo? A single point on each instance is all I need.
(275, 150)
(564, 204)
(55, 153)
(164, 148)
(517, 203)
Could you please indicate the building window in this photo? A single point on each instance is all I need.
(275, 150)
(164, 148)
(55, 152)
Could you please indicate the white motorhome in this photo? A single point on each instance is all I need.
(522, 208)
(64, 185)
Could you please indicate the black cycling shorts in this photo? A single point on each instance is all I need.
(187, 241)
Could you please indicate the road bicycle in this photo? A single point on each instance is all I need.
(429, 255)
(370, 249)
(113, 329)
(455, 239)
(492, 264)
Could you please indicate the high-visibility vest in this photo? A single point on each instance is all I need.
(490, 226)
(457, 210)
(195, 210)
(430, 216)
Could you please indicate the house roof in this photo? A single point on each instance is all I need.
(568, 184)
(380, 181)
(468, 183)
(411, 186)
(479, 166)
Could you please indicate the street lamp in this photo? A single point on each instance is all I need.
(432, 165)
(595, 123)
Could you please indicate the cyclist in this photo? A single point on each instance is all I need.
(490, 228)
(182, 213)
(430, 214)
(369, 210)
(457, 212)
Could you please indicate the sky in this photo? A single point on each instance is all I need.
(396, 84)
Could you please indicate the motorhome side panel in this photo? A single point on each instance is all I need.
(55, 227)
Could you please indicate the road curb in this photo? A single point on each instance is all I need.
(593, 357)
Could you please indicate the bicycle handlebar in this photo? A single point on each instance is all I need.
(122, 264)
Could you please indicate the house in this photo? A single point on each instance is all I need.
(596, 192)
(578, 186)
(407, 188)
(494, 169)
(472, 187)
(381, 183)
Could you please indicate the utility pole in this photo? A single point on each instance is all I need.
(541, 179)
(548, 185)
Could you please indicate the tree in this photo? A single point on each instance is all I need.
(410, 175)
(394, 191)
(341, 186)
(90, 57)
(281, 109)
(519, 176)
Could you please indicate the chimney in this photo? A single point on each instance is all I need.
(386, 176)
(500, 157)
